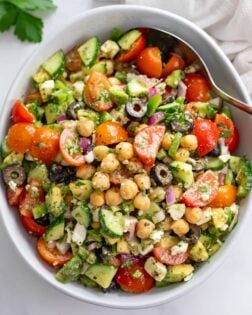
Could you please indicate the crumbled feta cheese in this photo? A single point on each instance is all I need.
(128, 222)
(156, 235)
(155, 269)
(79, 234)
(189, 277)
(158, 216)
(179, 248)
(12, 185)
(89, 157)
(234, 208)
(78, 88)
(109, 49)
(46, 88)
(225, 157)
(95, 213)
(224, 227)
(223, 147)
(206, 216)
(177, 211)
(205, 191)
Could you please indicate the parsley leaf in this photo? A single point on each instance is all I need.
(42, 5)
(8, 15)
(29, 27)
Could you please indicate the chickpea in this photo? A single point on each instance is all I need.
(167, 140)
(100, 181)
(189, 142)
(100, 152)
(143, 181)
(139, 128)
(134, 166)
(128, 189)
(157, 194)
(124, 151)
(180, 227)
(142, 202)
(166, 224)
(85, 127)
(144, 228)
(110, 163)
(97, 198)
(113, 197)
(177, 192)
(85, 171)
(181, 155)
(193, 215)
(68, 124)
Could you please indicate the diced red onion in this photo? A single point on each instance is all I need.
(51, 244)
(170, 197)
(84, 144)
(182, 88)
(124, 257)
(152, 91)
(156, 118)
(130, 235)
(61, 117)
(222, 174)
(92, 246)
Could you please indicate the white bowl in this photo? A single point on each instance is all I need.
(100, 22)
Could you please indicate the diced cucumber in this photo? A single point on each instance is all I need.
(182, 173)
(40, 172)
(89, 51)
(128, 39)
(87, 282)
(121, 76)
(214, 164)
(111, 223)
(105, 116)
(137, 88)
(70, 271)
(55, 202)
(102, 274)
(100, 67)
(229, 178)
(5, 150)
(118, 95)
(36, 110)
(52, 111)
(39, 210)
(55, 230)
(174, 78)
(82, 214)
(234, 164)
(153, 104)
(55, 64)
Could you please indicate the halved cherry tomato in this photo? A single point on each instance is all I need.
(234, 141)
(70, 148)
(14, 196)
(97, 91)
(149, 62)
(165, 256)
(174, 63)
(52, 255)
(147, 143)
(207, 184)
(32, 227)
(133, 278)
(45, 144)
(34, 96)
(20, 113)
(110, 132)
(207, 134)
(134, 50)
(73, 60)
(20, 137)
(226, 127)
(197, 88)
(225, 197)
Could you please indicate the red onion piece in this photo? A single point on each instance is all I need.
(152, 91)
(222, 174)
(130, 235)
(134, 259)
(92, 246)
(84, 144)
(156, 118)
(182, 88)
(170, 197)
(61, 117)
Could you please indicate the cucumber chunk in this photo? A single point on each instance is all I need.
(182, 173)
(102, 274)
(111, 223)
(234, 164)
(55, 230)
(128, 39)
(55, 64)
(215, 164)
(137, 88)
(82, 214)
(89, 51)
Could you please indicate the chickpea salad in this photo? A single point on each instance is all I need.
(120, 162)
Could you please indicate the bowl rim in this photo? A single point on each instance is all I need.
(183, 289)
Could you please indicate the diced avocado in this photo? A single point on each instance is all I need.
(204, 109)
(137, 88)
(121, 76)
(55, 230)
(86, 255)
(234, 164)
(102, 274)
(210, 243)
(55, 64)
(41, 76)
(168, 241)
(154, 208)
(82, 214)
(118, 95)
(5, 150)
(55, 202)
(178, 273)
(89, 51)
(13, 158)
(81, 189)
(161, 155)
(182, 173)
(219, 217)
(87, 282)
(174, 78)
(215, 164)
(39, 210)
(128, 39)
(52, 111)
(105, 116)
(198, 252)
(40, 172)
(70, 271)
(112, 223)
(105, 67)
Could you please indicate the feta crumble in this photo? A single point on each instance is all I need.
(177, 211)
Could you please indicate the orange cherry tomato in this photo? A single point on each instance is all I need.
(165, 256)
(174, 63)
(149, 62)
(32, 227)
(70, 148)
(225, 197)
(45, 144)
(73, 60)
(34, 96)
(97, 91)
(20, 137)
(110, 132)
(197, 88)
(20, 113)
(134, 50)
(52, 255)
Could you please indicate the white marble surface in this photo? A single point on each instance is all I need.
(23, 292)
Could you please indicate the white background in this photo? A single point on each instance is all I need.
(22, 292)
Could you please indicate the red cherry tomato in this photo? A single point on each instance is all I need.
(234, 141)
(165, 256)
(110, 132)
(174, 63)
(206, 184)
(14, 197)
(133, 278)
(20, 137)
(207, 134)
(149, 62)
(134, 51)
(21, 114)
(32, 227)
(147, 143)
(197, 88)
(225, 126)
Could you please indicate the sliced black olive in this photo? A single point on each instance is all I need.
(71, 112)
(215, 152)
(136, 107)
(14, 173)
(44, 221)
(183, 124)
(193, 235)
(199, 165)
(61, 174)
(113, 286)
(161, 174)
